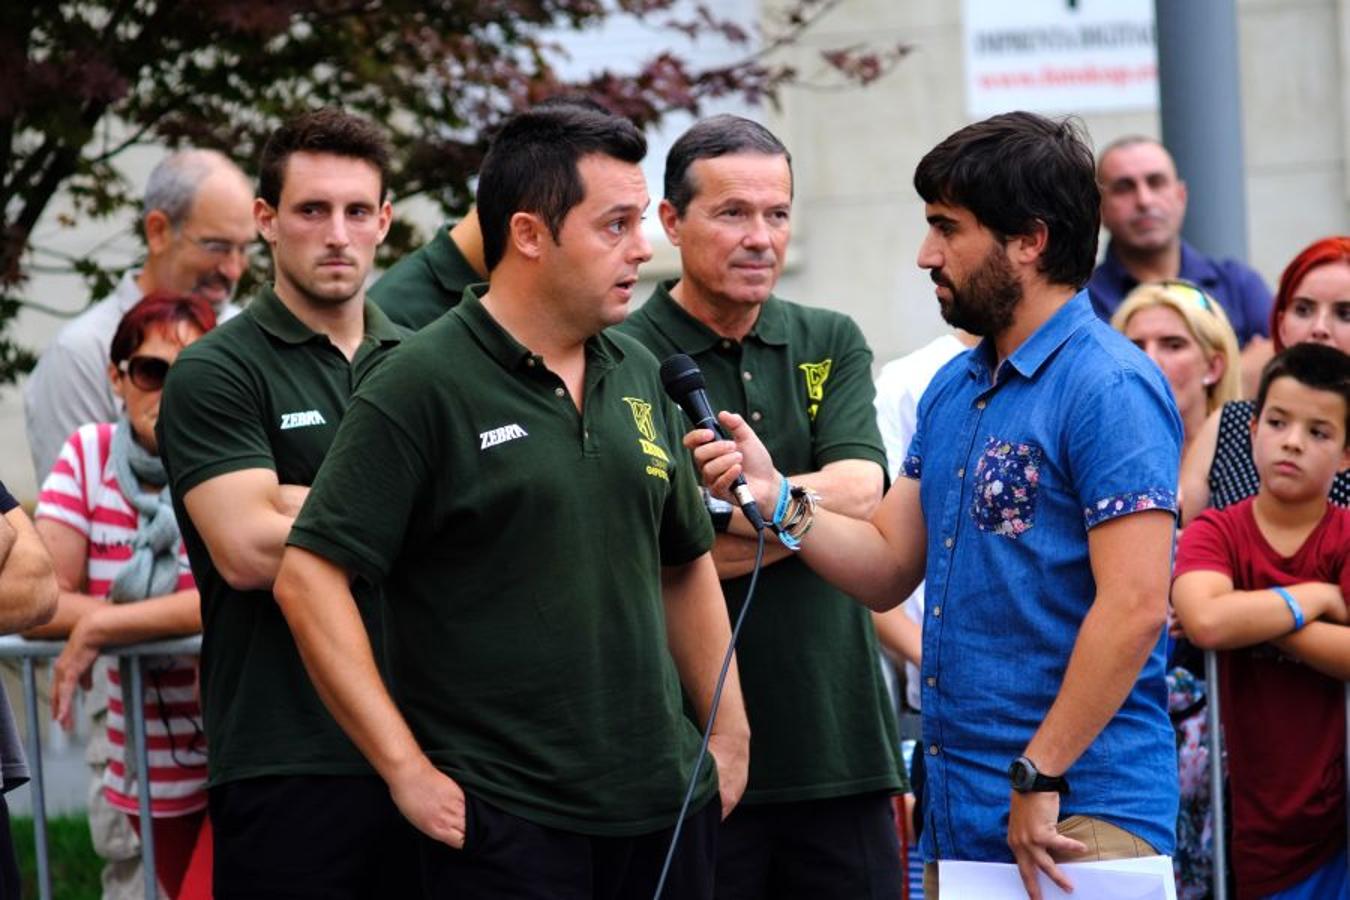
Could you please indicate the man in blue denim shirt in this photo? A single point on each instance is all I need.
(1040, 500)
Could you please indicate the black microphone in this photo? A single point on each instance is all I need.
(685, 385)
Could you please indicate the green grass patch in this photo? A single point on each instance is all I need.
(74, 865)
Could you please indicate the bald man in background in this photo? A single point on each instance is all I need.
(1143, 208)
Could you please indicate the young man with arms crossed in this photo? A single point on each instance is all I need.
(1265, 580)
(1038, 499)
(543, 550)
(248, 415)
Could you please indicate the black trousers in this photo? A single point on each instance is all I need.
(506, 857)
(311, 836)
(844, 848)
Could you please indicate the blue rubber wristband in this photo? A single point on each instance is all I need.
(1294, 608)
(780, 509)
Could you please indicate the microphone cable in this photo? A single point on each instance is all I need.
(712, 718)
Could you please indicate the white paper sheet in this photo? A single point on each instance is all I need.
(1148, 878)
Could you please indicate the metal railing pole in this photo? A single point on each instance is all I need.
(44, 874)
(26, 651)
(1216, 798)
(133, 710)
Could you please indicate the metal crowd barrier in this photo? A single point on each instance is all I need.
(1216, 769)
(132, 676)
(1216, 774)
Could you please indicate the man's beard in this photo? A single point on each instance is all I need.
(984, 304)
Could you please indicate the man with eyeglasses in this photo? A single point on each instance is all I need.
(1143, 207)
(198, 221)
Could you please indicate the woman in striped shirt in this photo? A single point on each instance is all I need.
(105, 516)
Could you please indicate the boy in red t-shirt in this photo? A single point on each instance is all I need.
(1266, 580)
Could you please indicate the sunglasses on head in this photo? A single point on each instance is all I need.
(146, 372)
(1188, 293)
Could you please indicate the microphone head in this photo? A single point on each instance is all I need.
(681, 375)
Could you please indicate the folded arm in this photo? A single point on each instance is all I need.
(244, 518)
(1217, 617)
(28, 589)
(1322, 645)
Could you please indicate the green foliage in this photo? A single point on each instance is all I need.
(82, 81)
(75, 867)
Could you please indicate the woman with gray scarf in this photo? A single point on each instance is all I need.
(105, 515)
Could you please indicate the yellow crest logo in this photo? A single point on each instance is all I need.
(642, 416)
(815, 373)
(658, 463)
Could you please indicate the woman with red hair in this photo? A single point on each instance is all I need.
(1311, 305)
(105, 515)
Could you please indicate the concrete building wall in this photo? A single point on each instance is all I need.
(857, 221)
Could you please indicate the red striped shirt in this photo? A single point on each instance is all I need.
(82, 493)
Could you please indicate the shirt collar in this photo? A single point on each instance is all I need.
(274, 317)
(448, 263)
(694, 337)
(1195, 268)
(1044, 341)
(510, 353)
(128, 290)
(1198, 268)
(1114, 271)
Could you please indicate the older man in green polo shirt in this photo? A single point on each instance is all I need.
(245, 421)
(816, 818)
(513, 479)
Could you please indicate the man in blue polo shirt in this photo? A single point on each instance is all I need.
(1143, 206)
(1039, 499)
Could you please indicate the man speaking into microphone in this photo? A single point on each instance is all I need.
(515, 482)
(1039, 492)
(816, 820)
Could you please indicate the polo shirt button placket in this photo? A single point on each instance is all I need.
(560, 391)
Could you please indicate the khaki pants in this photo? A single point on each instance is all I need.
(1102, 839)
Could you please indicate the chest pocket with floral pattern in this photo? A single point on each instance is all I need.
(1007, 480)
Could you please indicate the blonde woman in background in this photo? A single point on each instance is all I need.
(1188, 335)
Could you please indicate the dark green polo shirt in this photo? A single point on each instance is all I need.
(419, 288)
(821, 719)
(519, 546)
(262, 391)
